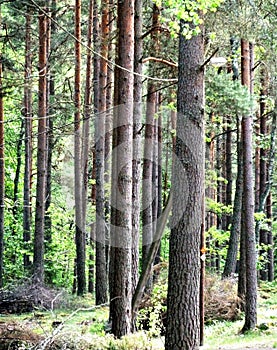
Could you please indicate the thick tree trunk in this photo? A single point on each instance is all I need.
(121, 200)
(41, 154)
(78, 183)
(183, 313)
(248, 202)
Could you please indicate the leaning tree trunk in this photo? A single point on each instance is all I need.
(121, 214)
(232, 252)
(183, 313)
(41, 154)
(248, 202)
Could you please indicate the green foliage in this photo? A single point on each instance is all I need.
(150, 317)
(218, 208)
(174, 11)
(227, 97)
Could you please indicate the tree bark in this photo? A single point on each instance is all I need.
(41, 154)
(121, 199)
(232, 252)
(248, 202)
(183, 312)
(137, 121)
(27, 139)
(2, 174)
(78, 178)
(101, 271)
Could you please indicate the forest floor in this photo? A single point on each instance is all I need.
(80, 326)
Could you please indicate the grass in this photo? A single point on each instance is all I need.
(227, 334)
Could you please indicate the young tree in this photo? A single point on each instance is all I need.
(183, 319)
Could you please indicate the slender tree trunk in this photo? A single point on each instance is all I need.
(248, 202)
(78, 179)
(137, 121)
(229, 172)
(232, 252)
(148, 174)
(2, 173)
(96, 67)
(41, 154)
(27, 139)
(51, 28)
(270, 263)
(263, 234)
(183, 313)
(101, 271)
(86, 140)
(17, 173)
(121, 214)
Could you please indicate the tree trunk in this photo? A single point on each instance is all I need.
(27, 140)
(17, 176)
(101, 271)
(41, 154)
(232, 252)
(148, 174)
(270, 263)
(121, 200)
(86, 143)
(183, 312)
(248, 202)
(2, 175)
(50, 139)
(137, 120)
(78, 179)
(263, 179)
